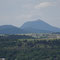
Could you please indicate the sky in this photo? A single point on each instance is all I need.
(17, 12)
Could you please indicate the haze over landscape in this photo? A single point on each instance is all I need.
(29, 29)
(17, 12)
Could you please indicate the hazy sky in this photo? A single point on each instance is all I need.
(16, 12)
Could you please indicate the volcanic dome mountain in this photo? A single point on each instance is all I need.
(37, 26)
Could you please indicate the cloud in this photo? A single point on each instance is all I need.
(45, 4)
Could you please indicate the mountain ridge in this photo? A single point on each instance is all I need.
(37, 26)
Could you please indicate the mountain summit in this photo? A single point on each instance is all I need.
(39, 26)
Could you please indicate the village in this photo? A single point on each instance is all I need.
(44, 35)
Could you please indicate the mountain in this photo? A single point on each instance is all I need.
(39, 26)
(9, 29)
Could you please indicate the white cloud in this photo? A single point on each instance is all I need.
(45, 4)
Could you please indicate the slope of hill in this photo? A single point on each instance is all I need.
(29, 49)
(39, 26)
(9, 29)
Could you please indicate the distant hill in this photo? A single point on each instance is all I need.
(9, 29)
(39, 26)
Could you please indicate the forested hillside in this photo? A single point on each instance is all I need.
(29, 49)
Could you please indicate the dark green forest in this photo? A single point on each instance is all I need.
(17, 47)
